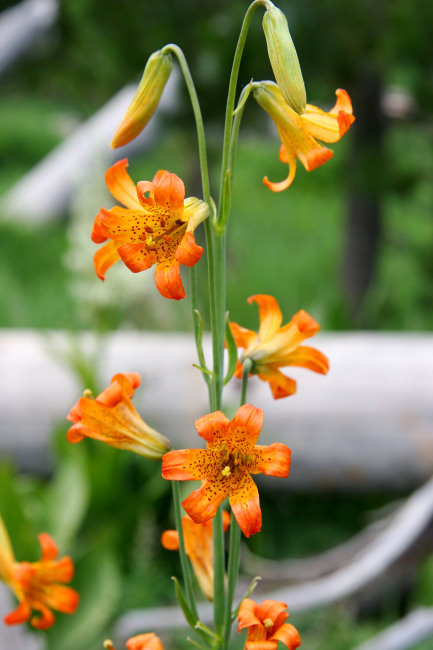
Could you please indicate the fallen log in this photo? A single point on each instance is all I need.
(367, 425)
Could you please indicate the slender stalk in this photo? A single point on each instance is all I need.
(232, 95)
(184, 562)
(235, 534)
(219, 565)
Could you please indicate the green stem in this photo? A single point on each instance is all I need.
(231, 97)
(184, 562)
(219, 566)
(235, 533)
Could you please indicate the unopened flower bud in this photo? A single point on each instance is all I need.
(146, 99)
(284, 60)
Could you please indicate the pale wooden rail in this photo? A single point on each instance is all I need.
(368, 424)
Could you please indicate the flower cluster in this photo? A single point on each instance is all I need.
(38, 585)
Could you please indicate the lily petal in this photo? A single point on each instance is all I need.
(105, 257)
(121, 185)
(168, 280)
(269, 313)
(281, 386)
(184, 464)
(288, 635)
(213, 426)
(273, 460)
(202, 504)
(245, 504)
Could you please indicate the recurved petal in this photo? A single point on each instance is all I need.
(273, 460)
(104, 258)
(121, 185)
(202, 504)
(188, 252)
(270, 315)
(306, 357)
(302, 326)
(288, 159)
(212, 427)
(245, 428)
(184, 464)
(288, 635)
(45, 620)
(48, 546)
(281, 386)
(61, 598)
(121, 384)
(245, 504)
(20, 615)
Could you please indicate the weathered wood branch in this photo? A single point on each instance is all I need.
(22, 26)
(414, 628)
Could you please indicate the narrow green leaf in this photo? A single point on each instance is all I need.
(201, 627)
(232, 350)
(205, 371)
(243, 98)
(187, 611)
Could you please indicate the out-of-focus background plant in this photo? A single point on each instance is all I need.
(363, 225)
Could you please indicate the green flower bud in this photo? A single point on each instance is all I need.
(284, 60)
(146, 99)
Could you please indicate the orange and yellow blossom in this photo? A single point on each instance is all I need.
(266, 625)
(112, 418)
(299, 133)
(155, 227)
(37, 585)
(275, 347)
(199, 548)
(226, 465)
(147, 641)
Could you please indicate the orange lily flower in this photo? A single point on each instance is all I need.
(140, 642)
(36, 584)
(275, 347)
(112, 418)
(226, 465)
(199, 548)
(298, 133)
(156, 227)
(266, 625)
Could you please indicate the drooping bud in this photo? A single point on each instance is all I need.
(146, 99)
(284, 60)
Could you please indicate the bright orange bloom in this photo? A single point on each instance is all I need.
(226, 465)
(199, 548)
(36, 584)
(112, 418)
(266, 625)
(140, 642)
(275, 347)
(156, 227)
(298, 133)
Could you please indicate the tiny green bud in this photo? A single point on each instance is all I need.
(146, 99)
(284, 60)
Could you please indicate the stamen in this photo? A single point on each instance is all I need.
(88, 393)
(268, 622)
(226, 471)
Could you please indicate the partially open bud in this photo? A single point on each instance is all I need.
(146, 99)
(284, 60)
